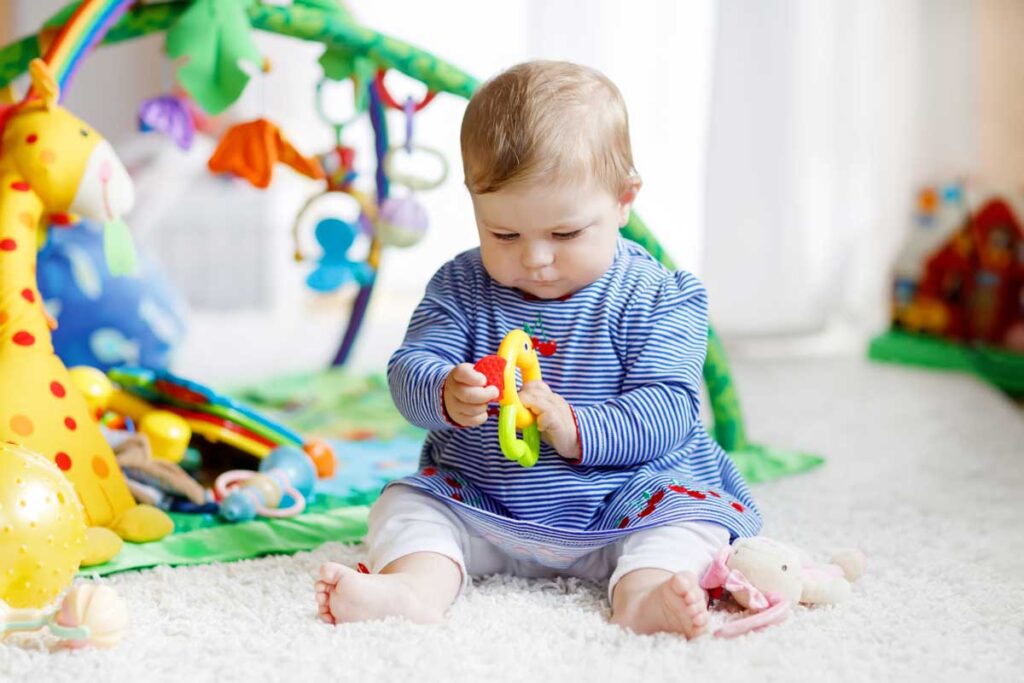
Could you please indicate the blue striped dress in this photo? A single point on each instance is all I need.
(630, 351)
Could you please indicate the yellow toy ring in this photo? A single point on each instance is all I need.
(517, 351)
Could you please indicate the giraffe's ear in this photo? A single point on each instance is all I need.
(43, 82)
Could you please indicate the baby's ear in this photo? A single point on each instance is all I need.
(627, 197)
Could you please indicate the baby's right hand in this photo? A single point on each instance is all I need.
(466, 396)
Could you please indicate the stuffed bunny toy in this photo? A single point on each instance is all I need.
(769, 578)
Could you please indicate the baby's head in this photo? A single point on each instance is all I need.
(545, 147)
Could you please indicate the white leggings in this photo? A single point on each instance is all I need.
(405, 521)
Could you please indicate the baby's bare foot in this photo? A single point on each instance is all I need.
(344, 595)
(677, 605)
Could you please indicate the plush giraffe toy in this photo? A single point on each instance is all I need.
(53, 163)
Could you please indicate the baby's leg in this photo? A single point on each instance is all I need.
(416, 545)
(655, 587)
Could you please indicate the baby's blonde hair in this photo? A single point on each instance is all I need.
(542, 121)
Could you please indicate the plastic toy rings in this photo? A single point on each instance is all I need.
(518, 352)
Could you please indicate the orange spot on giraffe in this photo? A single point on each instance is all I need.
(22, 426)
(70, 423)
(27, 219)
(47, 157)
(8, 245)
(28, 295)
(23, 338)
(100, 467)
(3, 317)
(63, 461)
(31, 139)
(57, 389)
(20, 186)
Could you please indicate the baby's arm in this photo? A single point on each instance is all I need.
(437, 340)
(664, 334)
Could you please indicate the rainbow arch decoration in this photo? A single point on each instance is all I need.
(86, 28)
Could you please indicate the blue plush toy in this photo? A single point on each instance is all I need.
(105, 320)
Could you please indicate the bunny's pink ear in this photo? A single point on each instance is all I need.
(718, 572)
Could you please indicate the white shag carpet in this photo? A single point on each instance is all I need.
(925, 473)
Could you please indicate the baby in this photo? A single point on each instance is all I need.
(629, 487)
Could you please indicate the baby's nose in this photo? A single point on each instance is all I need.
(537, 256)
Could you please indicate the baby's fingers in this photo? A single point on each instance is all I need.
(464, 373)
(477, 396)
(468, 416)
(536, 396)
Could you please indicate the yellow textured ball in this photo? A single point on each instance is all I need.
(42, 529)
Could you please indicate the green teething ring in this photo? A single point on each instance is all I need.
(524, 451)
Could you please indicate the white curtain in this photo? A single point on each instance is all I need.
(825, 117)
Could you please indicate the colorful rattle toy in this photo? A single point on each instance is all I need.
(89, 614)
(516, 351)
(245, 494)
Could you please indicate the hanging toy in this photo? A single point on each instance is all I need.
(171, 116)
(245, 494)
(335, 236)
(251, 149)
(403, 221)
(334, 268)
(516, 352)
(90, 614)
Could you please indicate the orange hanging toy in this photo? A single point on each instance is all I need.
(251, 149)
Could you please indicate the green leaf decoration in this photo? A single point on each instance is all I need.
(214, 36)
(118, 247)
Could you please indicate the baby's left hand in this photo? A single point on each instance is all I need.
(554, 418)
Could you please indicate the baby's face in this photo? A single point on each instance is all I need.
(549, 240)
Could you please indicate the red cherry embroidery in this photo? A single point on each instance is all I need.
(548, 348)
(678, 488)
(429, 471)
(456, 496)
(738, 506)
(362, 568)
(696, 494)
(652, 503)
(624, 523)
(451, 481)
(714, 494)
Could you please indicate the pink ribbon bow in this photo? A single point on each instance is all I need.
(770, 608)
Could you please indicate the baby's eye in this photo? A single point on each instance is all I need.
(505, 236)
(566, 235)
